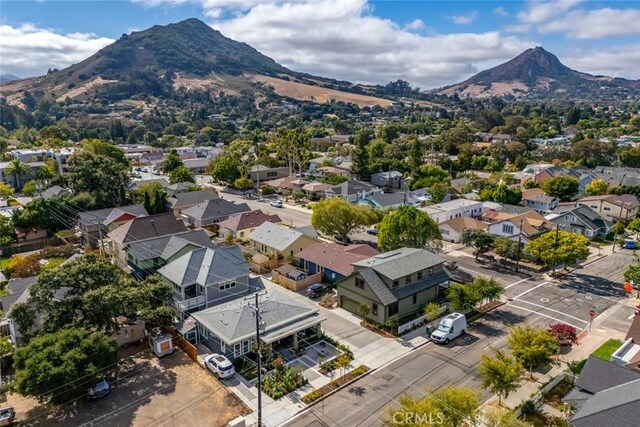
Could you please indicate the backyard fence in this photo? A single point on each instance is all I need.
(296, 285)
(34, 245)
(184, 345)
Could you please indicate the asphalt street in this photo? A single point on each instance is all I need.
(597, 286)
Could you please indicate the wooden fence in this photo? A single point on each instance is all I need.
(34, 245)
(184, 345)
(296, 285)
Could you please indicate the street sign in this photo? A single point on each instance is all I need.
(592, 313)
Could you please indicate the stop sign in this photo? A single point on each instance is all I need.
(592, 313)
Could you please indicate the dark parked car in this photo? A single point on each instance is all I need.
(318, 289)
(101, 389)
(373, 231)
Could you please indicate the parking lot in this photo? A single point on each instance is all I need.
(173, 391)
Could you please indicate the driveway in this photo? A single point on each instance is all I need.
(173, 391)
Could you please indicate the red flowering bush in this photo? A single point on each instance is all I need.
(565, 334)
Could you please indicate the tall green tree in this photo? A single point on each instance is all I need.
(181, 174)
(506, 248)
(335, 216)
(416, 154)
(500, 373)
(503, 417)
(60, 366)
(562, 247)
(452, 406)
(532, 347)
(6, 191)
(360, 154)
(152, 196)
(462, 297)
(18, 169)
(225, 168)
(99, 175)
(562, 187)
(408, 227)
(487, 288)
(7, 231)
(172, 162)
(479, 240)
(507, 195)
(429, 175)
(597, 187)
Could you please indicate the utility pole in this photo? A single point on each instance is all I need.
(555, 246)
(519, 243)
(259, 324)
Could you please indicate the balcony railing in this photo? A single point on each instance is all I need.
(190, 303)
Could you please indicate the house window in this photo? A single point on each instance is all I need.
(393, 309)
(415, 298)
(241, 234)
(228, 285)
(236, 350)
(407, 280)
(245, 347)
(374, 309)
(419, 275)
(359, 283)
(396, 283)
(606, 209)
(507, 228)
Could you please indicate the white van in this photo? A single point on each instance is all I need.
(450, 327)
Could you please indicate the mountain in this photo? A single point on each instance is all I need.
(537, 73)
(188, 54)
(4, 78)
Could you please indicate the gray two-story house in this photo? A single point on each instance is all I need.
(207, 277)
(394, 283)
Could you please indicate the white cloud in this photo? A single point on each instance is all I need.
(501, 11)
(416, 24)
(343, 40)
(29, 51)
(465, 19)
(615, 61)
(543, 11)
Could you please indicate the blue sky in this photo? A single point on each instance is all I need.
(429, 43)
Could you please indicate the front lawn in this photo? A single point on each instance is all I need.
(607, 349)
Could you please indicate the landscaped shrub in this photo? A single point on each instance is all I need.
(565, 334)
(335, 384)
(282, 380)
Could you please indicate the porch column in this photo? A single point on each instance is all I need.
(319, 328)
(295, 341)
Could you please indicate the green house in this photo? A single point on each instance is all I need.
(396, 283)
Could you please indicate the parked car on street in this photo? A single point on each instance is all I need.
(450, 327)
(373, 231)
(7, 415)
(318, 289)
(630, 244)
(276, 203)
(220, 366)
(100, 389)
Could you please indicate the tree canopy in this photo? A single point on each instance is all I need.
(181, 174)
(597, 187)
(532, 347)
(408, 227)
(568, 249)
(562, 187)
(336, 217)
(501, 373)
(428, 175)
(61, 366)
(99, 175)
(479, 240)
(172, 162)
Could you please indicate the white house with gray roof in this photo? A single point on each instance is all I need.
(230, 328)
(278, 241)
(207, 277)
(212, 212)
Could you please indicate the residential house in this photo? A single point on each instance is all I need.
(524, 227)
(207, 277)
(353, 191)
(26, 234)
(386, 201)
(241, 225)
(315, 164)
(261, 173)
(212, 212)
(94, 225)
(442, 212)
(54, 191)
(613, 207)
(197, 166)
(315, 190)
(333, 260)
(287, 320)
(290, 183)
(30, 156)
(278, 241)
(146, 256)
(151, 159)
(581, 220)
(452, 229)
(135, 185)
(391, 179)
(331, 170)
(17, 291)
(546, 174)
(184, 200)
(141, 229)
(10, 179)
(180, 187)
(538, 201)
(395, 283)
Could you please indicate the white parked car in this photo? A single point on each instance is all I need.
(276, 203)
(220, 366)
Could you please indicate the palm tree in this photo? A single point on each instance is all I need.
(18, 168)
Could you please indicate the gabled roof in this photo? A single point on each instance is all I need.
(615, 406)
(119, 214)
(599, 374)
(247, 220)
(18, 292)
(98, 216)
(378, 287)
(166, 246)
(275, 236)
(350, 187)
(190, 198)
(388, 175)
(206, 266)
(280, 311)
(401, 262)
(465, 223)
(147, 227)
(336, 257)
(586, 216)
(215, 208)
(180, 187)
(56, 190)
(533, 223)
(628, 201)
